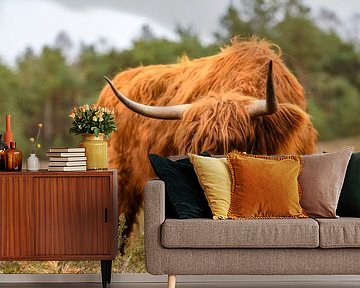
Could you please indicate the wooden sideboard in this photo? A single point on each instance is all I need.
(59, 216)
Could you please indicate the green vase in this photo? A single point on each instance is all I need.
(95, 151)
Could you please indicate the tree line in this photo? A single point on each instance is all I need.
(43, 88)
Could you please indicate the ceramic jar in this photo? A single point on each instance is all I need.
(32, 163)
(95, 151)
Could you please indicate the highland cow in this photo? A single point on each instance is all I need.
(217, 103)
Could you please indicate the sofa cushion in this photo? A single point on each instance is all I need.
(215, 179)
(321, 181)
(349, 202)
(184, 196)
(250, 233)
(342, 232)
(264, 186)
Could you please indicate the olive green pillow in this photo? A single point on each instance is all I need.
(349, 202)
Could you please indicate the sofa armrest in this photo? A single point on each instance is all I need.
(154, 216)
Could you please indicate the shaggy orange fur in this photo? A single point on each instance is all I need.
(219, 87)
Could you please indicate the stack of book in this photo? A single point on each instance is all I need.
(67, 159)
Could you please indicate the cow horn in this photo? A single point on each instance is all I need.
(270, 105)
(158, 112)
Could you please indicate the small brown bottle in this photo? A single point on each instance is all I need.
(3, 148)
(13, 158)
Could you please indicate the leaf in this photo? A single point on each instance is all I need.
(96, 131)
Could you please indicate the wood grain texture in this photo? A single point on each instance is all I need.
(70, 215)
(16, 217)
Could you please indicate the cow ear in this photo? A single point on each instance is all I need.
(290, 129)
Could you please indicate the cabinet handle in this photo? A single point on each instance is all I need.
(106, 215)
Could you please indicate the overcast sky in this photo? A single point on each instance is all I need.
(33, 23)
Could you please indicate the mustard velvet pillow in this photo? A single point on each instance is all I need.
(265, 187)
(215, 179)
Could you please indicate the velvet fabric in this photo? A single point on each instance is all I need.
(215, 179)
(184, 197)
(265, 187)
(349, 202)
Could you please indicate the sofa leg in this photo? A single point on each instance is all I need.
(171, 281)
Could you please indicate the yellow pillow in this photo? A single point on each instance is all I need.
(265, 187)
(215, 179)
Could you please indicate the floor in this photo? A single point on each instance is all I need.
(190, 285)
(129, 280)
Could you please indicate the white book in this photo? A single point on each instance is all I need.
(65, 154)
(67, 168)
(67, 163)
(66, 159)
(67, 149)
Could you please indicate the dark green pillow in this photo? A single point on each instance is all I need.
(349, 202)
(183, 191)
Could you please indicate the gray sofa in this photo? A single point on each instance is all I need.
(246, 247)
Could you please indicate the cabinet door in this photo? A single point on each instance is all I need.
(73, 217)
(16, 218)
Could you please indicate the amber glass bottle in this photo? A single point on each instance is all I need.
(3, 148)
(8, 135)
(13, 158)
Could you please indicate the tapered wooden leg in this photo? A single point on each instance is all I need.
(171, 281)
(104, 273)
(109, 272)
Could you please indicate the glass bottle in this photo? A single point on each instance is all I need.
(3, 148)
(8, 135)
(13, 158)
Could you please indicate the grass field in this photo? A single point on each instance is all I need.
(333, 145)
